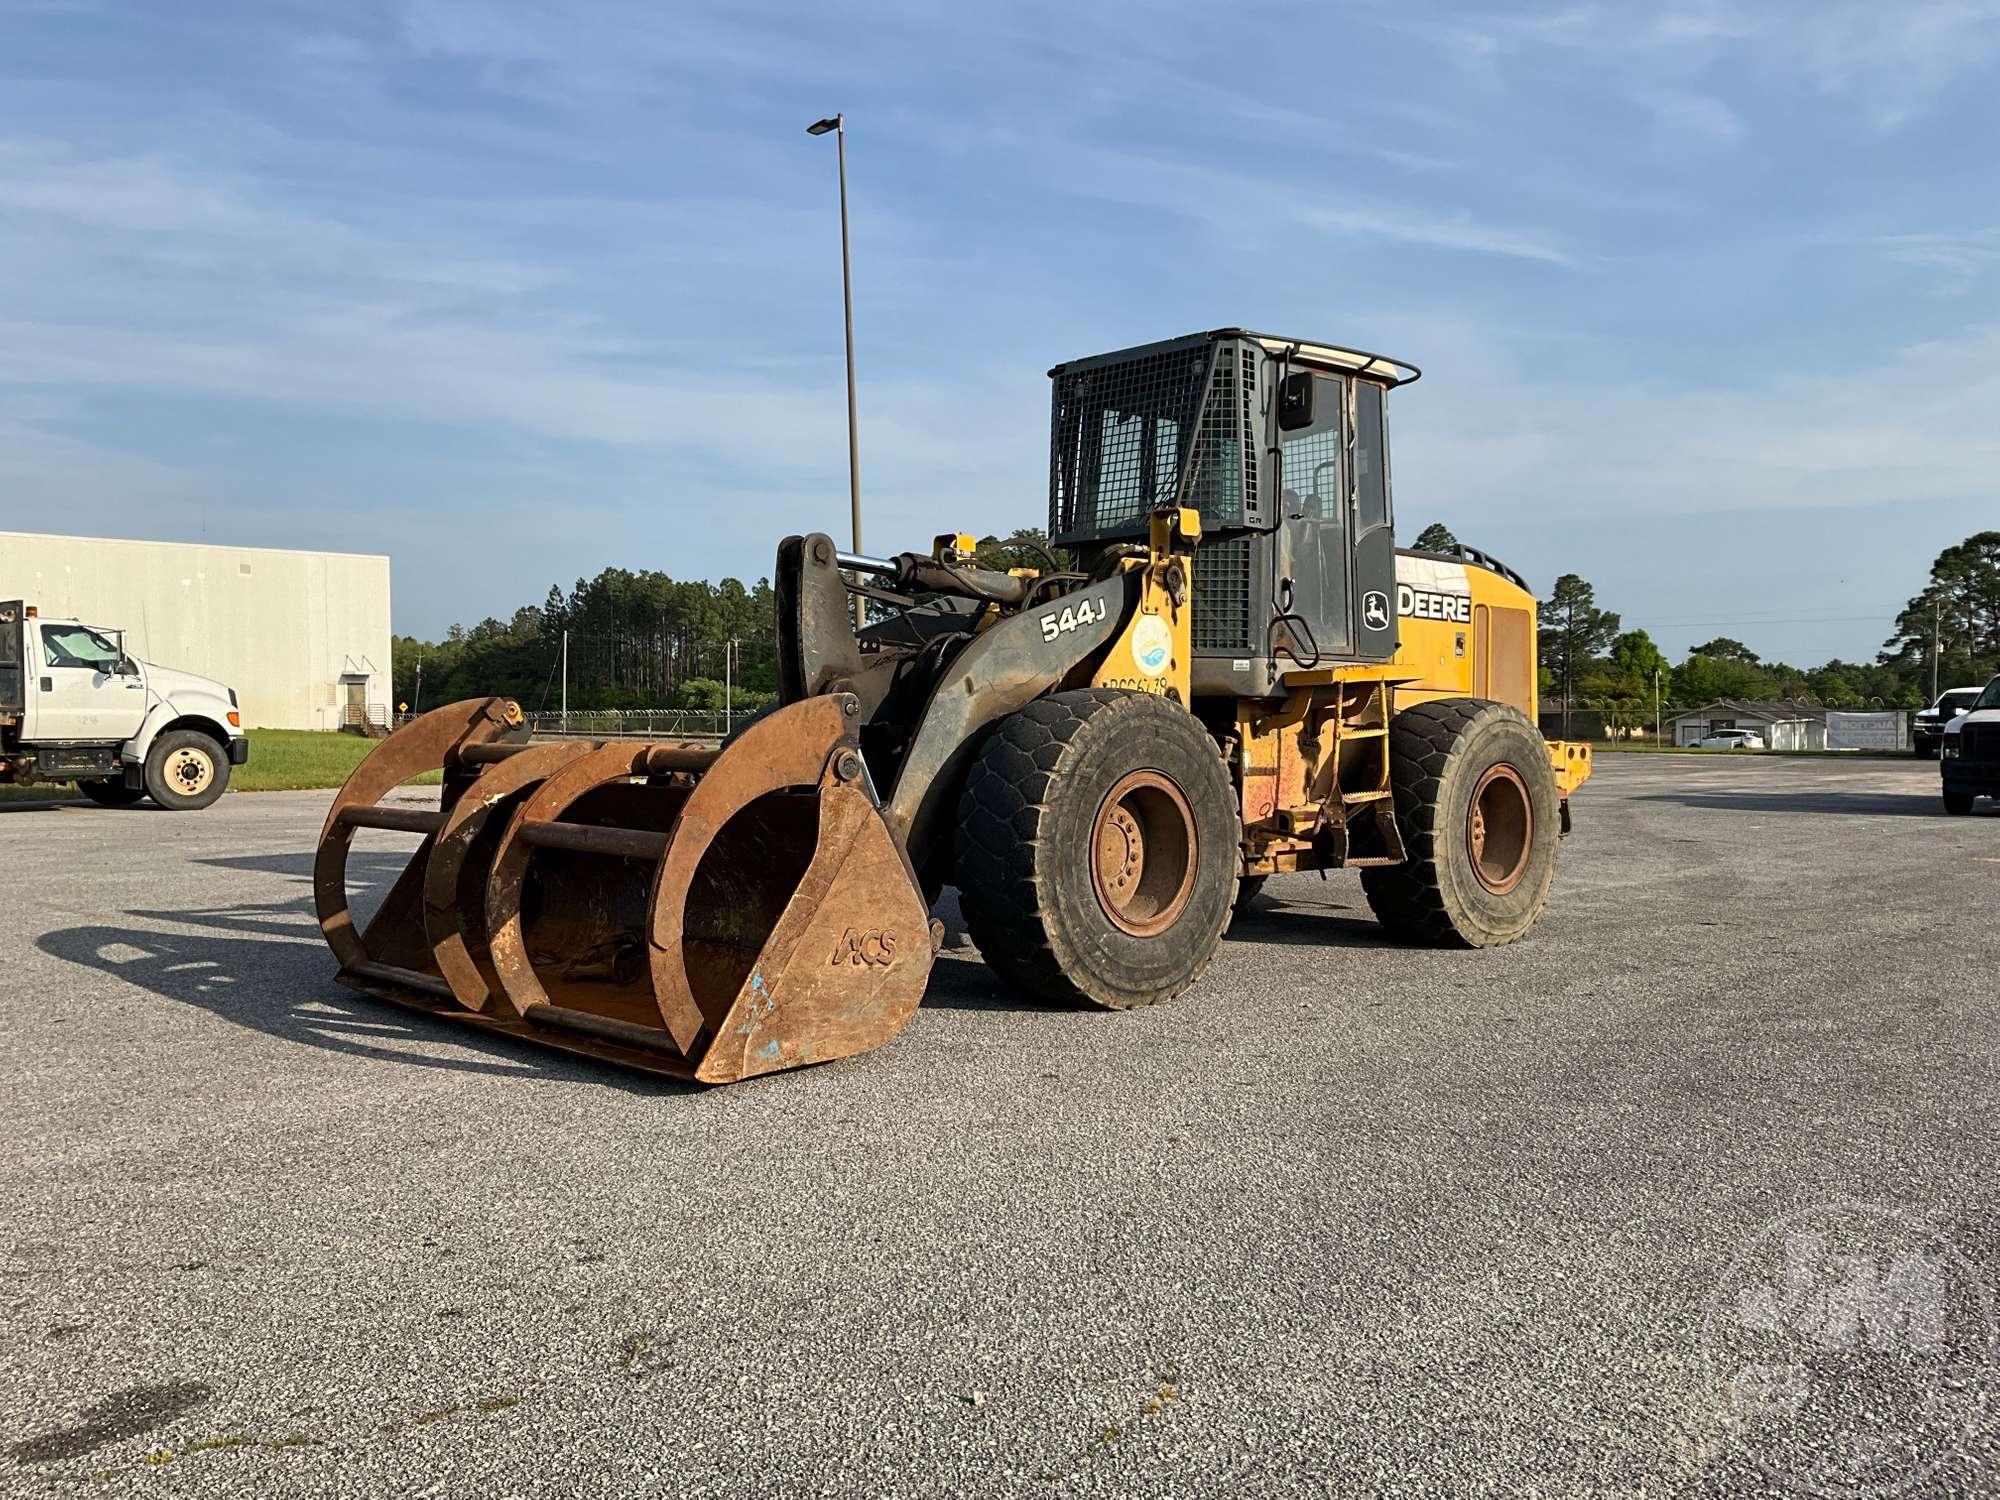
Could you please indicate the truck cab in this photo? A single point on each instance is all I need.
(1969, 757)
(75, 706)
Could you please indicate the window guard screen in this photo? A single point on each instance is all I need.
(1130, 435)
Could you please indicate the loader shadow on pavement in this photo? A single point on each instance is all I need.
(1819, 804)
(285, 990)
(121, 1415)
(1314, 925)
(962, 981)
(264, 967)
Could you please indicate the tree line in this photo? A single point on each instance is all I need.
(1949, 632)
(635, 640)
(646, 640)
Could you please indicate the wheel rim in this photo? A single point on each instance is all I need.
(1143, 853)
(1500, 829)
(189, 771)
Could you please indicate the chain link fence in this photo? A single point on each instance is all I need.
(639, 723)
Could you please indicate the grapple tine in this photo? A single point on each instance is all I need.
(585, 911)
(434, 741)
(461, 859)
(844, 964)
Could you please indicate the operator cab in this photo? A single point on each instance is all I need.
(1283, 447)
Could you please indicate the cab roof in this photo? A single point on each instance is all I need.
(1303, 352)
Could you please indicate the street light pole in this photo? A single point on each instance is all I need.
(1937, 642)
(838, 125)
(728, 686)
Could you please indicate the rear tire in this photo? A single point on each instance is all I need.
(185, 770)
(1479, 811)
(1097, 848)
(110, 793)
(1958, 804)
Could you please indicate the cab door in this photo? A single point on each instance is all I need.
(1314, 582)
(79, 695)
(1374, 524)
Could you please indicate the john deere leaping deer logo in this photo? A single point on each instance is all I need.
(874, 947)
(1375, 610)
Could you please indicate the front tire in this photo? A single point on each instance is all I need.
(1958, 804)
(1479, 812)
(185, 770)
(1097, 848)
(110, 793)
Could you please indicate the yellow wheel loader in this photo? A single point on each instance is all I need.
(1232, 673)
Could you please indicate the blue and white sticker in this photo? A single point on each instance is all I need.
(1152, 645)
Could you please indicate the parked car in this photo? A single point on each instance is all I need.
(1927, 729)
(1731, 739)
(1969, 760)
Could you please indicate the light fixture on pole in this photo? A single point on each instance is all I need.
(837, 124)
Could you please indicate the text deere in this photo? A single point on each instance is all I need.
(1424, 604)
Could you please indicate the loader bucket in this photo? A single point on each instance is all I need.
(703, 913)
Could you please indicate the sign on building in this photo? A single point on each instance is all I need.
(1867, 731)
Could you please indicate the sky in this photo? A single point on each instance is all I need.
(1704, 295)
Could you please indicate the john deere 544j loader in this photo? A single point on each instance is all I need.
(1237, 675)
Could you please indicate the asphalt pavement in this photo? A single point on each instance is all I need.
(1691, 1192)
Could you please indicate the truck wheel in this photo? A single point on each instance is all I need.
(185, 770)
(110, 793)
(1479, 812)
(1958, 804)
(1097, 845)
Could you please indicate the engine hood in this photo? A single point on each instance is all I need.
(170, 682)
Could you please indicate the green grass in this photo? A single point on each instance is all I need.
(281, 760)
(62, 793)
(288, 760)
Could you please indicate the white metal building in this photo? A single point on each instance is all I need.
(303, 637)
(1784, 723)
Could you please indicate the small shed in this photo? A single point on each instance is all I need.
(1785, 723)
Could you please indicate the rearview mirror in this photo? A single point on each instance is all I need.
(126, 667)
(1295, 402)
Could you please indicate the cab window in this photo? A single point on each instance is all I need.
(74, 646)
(1371, 456)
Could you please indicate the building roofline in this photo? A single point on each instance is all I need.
(1787, 711)
(140, 541)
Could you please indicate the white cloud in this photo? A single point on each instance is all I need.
(1414, 227)
(1533, 441)
(1958, 262)
(1894, 60)
(47, 471)
(1697, 114)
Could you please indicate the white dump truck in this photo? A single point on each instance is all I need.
(75, 707)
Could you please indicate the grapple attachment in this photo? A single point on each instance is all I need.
(710, 914)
